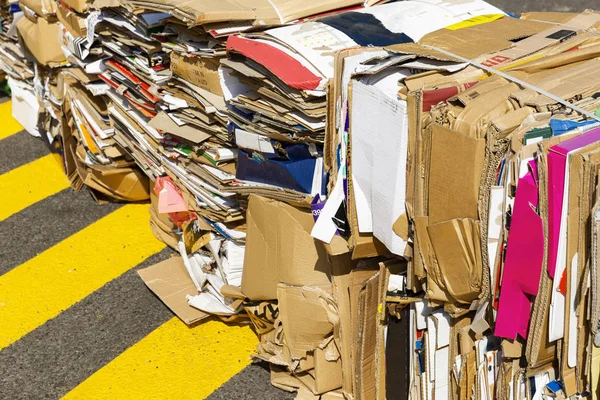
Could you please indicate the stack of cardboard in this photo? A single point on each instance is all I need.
(92, 152)
(481, 172)
(18, 70)
(34, 97)
(475, 162)
(401, 198)
(13, 61)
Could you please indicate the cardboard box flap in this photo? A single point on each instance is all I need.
(421, 51)
(170, 281)
(456, 166)
(119, 183)
(485, 107)
(491, 37)
(304, 318)
(256, 12)
(43, 8)
(280, 249)
(551, 17)
(166, 124)
(75, 24)
(232, 291)
(40, 39)
(200, 71)
(457, 248)
(325, 377)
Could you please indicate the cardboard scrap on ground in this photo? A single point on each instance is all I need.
(170, 281)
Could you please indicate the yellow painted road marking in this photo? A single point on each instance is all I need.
(54, 280)
(9, 125)
(30, 183)
(173, 362)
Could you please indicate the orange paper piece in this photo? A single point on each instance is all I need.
(170, 199)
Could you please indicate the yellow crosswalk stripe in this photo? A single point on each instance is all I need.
(54, 280)
(9, 125)
(173, 362)
(30, 183)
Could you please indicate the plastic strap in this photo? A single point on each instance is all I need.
(520, 82)
(276, 11)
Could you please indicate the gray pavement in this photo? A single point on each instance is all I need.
(519, 6)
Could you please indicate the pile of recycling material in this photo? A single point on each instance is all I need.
(402, 199)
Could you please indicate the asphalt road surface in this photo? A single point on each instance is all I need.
(98, 333)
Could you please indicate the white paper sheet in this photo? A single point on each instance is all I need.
(556, 319)
(379, 149)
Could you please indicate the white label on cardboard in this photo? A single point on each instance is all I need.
(379, 150)
(317, 182)
(90, 22)
(556, 320)
(572, 349)
(479, 324)
(253, 141)
(422, 311)
(324, 228)
(174, 102)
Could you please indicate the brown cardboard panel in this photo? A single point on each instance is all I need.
(343, 277)
(454, 176)
(283, 380)
(325, 377)
(258, 12)
(304, 318)
(457, 247)
(436, 289)
(328, 374)
(401, 226)
(125, 184)
(367, 340)
(562, 60)
(590, 160)
(200, 71)
(577, 252)
(552, 17)
(170, 281)
(279, 248)
(40, 39)
(78, 5)
(421, 51)
(491, 37)
(73, 22)
(485, 107)
(165, 123)
(512, 348)
(334, 395)
(366, 245)
(43, 8)
(296, 365)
